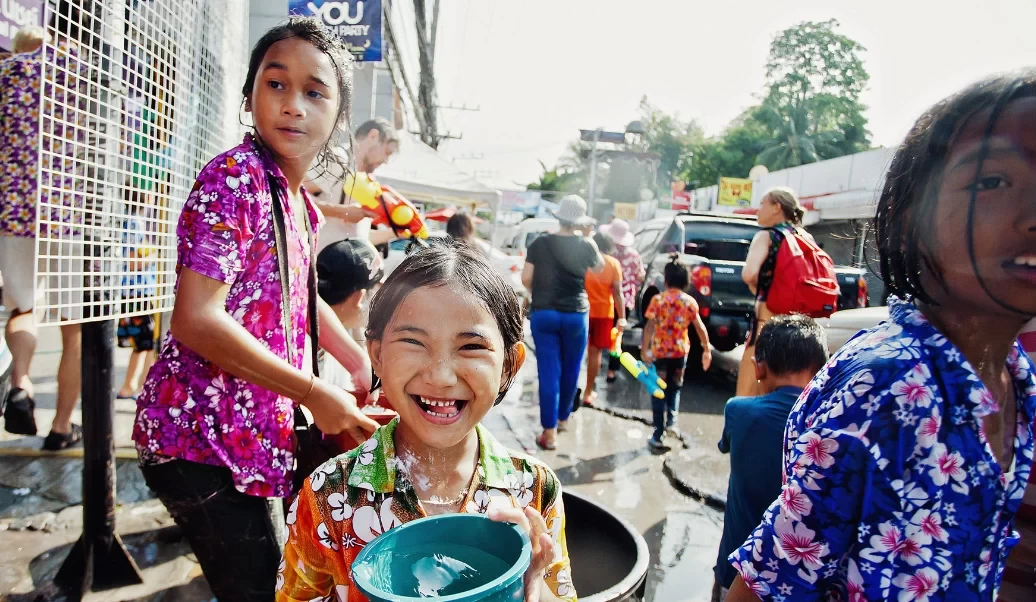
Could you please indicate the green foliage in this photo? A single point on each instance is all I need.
(555, 179)
(810, 111)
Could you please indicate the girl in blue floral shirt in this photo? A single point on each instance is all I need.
(908, 455)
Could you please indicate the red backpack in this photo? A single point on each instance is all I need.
(803, 279)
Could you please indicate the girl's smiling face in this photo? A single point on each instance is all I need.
(1002, 279)
(441, 361)
(294, 100)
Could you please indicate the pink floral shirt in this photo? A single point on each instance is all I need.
(632, 273)
(192, 410)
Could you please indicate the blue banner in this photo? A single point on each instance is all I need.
(357, 22)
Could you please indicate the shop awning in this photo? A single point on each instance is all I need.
(852, 204)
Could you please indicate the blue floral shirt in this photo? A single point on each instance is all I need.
(891, 491)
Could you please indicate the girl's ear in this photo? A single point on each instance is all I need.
(374, 351)
(248, 104)
(519, 361)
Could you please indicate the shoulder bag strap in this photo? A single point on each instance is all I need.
(281, 242)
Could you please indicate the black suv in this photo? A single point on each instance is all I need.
(714, 247)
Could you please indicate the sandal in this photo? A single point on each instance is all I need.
(542, 443)
(18, 413)
(590, 399)
(62, 441)
(612, 377)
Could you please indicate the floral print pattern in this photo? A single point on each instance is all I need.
(20, 123)
(632, 273)
(189, 408)
(356, 502)
(891, 490)
(673, 312)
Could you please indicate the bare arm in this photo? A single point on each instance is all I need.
(346, 213)
(336, 340)
(703, 336)
(527, 273)
(620, 303)
(598, 266)
(757, 253)
(739, 592)
(645, 341)
(201, 323)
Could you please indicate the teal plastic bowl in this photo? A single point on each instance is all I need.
(451, 558)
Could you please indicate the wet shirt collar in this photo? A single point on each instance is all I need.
(274, 171)
(948, 360)
(375, 468)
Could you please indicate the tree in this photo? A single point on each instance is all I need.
(672, 138)
(555, 180)
(815, 77)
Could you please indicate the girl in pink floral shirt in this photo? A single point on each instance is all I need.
(214, 425)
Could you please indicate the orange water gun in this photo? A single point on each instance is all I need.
(389, 207)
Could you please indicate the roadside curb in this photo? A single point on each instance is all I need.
(709, 499)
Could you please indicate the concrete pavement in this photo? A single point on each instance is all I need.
(604, 456)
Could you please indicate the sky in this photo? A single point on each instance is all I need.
(540, 70)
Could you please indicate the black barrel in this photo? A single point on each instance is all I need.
(609, 557)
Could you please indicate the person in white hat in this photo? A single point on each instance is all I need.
(554, 273)
(633, 273)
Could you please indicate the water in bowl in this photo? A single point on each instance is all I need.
(444, 569)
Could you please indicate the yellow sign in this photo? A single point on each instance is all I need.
(626, 211)
(735, 192)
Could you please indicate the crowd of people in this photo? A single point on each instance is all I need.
(893, 469)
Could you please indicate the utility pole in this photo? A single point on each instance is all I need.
(593, 166)
(426, 88)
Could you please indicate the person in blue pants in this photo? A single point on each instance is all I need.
(554, 273)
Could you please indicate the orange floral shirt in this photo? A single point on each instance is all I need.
(352, 499)
(673, 312)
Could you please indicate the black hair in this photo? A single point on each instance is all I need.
(460, 226)
(675, 273)
(446, 263)
(605, 243)
(312, 30)
(791, 344)
(903, 223)
(386, 133)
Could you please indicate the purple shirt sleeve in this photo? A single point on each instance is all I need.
(218, 221)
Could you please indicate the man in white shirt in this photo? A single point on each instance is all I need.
(374, 143)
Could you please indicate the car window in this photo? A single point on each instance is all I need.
(399, 244)
(719, 241)
(645, 239)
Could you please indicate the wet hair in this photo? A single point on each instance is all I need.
(675, 273)
(788, 202)
(446, 263)
(386, 133)
(312, 30)
(903, 222)
(604, 243)
(792, 344)
(460, 226)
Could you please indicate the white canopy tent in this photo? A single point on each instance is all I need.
(419, 173)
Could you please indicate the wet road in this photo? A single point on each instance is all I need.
(606, 458)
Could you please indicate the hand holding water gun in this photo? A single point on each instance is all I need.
(616, 349)
(389, 207)
(645, 374)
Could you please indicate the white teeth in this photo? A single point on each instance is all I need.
(1029, 260)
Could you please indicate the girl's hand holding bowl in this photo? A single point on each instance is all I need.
(542, 548)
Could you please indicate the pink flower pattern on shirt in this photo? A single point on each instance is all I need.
(632, 273)
(190, 409)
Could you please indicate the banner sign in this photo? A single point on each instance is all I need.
(15, 14)
(357, 22)
(625, 211)
(735, 192)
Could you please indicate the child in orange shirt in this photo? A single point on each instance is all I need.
(666, 344)
(607, 311)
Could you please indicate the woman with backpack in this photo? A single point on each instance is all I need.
(780, 215)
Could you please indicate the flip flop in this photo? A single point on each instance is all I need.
(541, 442)
(133, 397)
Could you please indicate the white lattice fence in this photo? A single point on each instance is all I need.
(133, 106)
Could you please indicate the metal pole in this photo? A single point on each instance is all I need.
(374, 90)
(593, 167)
(99, 560)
